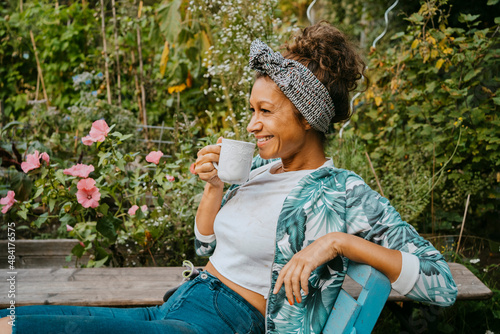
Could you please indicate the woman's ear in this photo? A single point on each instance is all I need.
(306, 124)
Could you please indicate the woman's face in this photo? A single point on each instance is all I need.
(278, 131)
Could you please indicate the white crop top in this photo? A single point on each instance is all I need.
(246, 228)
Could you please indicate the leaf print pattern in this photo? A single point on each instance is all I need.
(331, 199)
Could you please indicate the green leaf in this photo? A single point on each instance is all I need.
(23, 214)
(67, 219)
(170, 20)
(103, 208)
(160, 200)
(471, 74)
(106, 226)
(125, 137)
(60, 176)
(139, 214)
(467, 17)
(39, 191)
(120, 164)
(492, 2)
(78, 250)
(52, 204)
(11, 124)
(42, 219)
(99, 263)
(102, 156)
(497, 20)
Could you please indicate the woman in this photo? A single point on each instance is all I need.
(279, 242)
(291, 228)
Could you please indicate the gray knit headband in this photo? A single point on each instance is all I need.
(297, 82)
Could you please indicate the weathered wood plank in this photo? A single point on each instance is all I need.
(121, 287)
(41, 253)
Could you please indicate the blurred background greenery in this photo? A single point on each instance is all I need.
(427, 121)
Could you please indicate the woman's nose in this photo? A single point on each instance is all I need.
(254, 125)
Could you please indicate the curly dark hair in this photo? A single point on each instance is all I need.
(334, 60)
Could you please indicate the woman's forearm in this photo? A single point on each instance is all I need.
(208, 208)
(387, 261)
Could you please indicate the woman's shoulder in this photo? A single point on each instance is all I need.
(329, 170)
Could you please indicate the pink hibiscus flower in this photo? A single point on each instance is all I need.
(170, 178)
(32, 162)
(8, 201)
(79, 170)
(45, 157)
(99, 131)
(134, 208)
(88, 195)
(87, 140)
(154, 157)
(69, 228)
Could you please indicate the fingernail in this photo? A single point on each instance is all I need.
(290, 301)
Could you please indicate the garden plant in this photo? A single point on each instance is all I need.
(425, 129)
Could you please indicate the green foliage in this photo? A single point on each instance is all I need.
(166, 192)
(431, 116)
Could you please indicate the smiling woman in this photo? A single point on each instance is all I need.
(279, 132)
(281, 241)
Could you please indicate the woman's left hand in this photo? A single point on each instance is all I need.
(295, 274)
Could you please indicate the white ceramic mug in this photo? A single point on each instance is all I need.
(235, 161)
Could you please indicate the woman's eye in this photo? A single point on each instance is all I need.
(265, 110)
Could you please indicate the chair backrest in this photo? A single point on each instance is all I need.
(359, 316)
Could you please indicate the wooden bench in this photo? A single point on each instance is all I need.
(128, 287)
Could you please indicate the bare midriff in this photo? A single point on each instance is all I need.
(255, 299)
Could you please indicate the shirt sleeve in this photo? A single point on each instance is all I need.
(408, 275)
(203, 238)
(371, 217)
(204, 244)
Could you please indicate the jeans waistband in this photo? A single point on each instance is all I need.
(212, 280)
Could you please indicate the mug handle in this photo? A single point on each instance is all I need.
(216, 165)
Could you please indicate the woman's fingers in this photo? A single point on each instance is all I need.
(295, 274)
(204, 166)
(291, 277)
(209, 149)
(296, 283)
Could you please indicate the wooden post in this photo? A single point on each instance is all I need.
(39, 70)
(117, 55)
(141, 68)
(433, 215)
(375, 174)
(463, 223)
(2, 112)
(37, 85)
(105, 52)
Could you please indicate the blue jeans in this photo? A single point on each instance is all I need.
(203, 305)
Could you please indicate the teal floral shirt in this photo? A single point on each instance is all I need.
(337, 200)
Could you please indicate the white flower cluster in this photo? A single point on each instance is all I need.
(233, 25)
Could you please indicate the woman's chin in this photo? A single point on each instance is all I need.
(265, 156)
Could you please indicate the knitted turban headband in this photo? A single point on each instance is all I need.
(297, 82)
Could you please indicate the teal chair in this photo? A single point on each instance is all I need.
(359, 316)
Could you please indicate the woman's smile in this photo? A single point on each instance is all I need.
(263, 140)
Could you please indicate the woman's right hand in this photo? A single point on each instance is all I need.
(205, 167)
